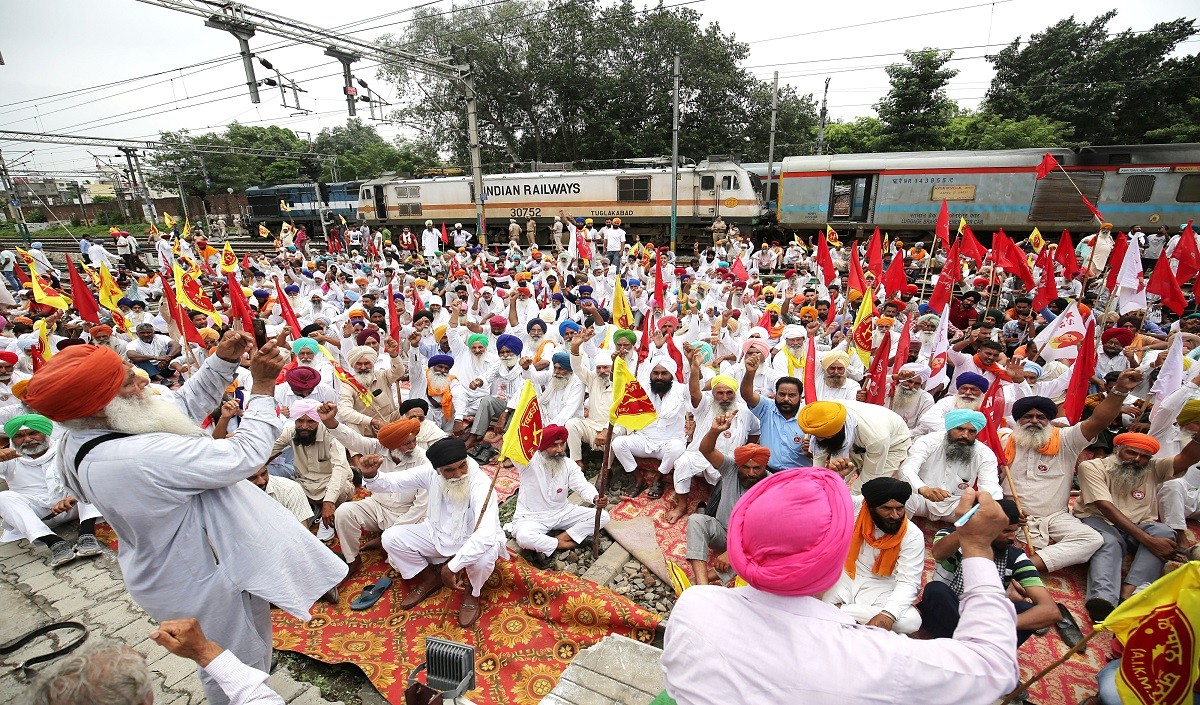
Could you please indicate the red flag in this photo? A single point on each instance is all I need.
(419, 305)
(445, 237)
(581, 245)
(1187, 255)
(675, 354)
(81, 296)
(878, 371)
(238, 303)
(825, 260)
(1163, 284)
(393, 314)
(942, 229)
(1116, 258)
(289, 316)
(1081, 375)
(246, 261)
(831, 314)
(969, 246)
(476, 279)
(1048, 164)
(739, 270)
(903, 345)
(21, 275)
(949, 276)
(1092, 208)
(895, 280)
(875, 255)
(1009, 257)
(810, 370)
(1047, 290)
(993, 410)
(857, 280)
(647, 335)
(660, 298)
(1064, 254)
(764, 321)
(182, 321)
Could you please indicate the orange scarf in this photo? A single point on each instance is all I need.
(541, 349)
(888, 545)
(447, 399)
(1051, 447)
(993, 368)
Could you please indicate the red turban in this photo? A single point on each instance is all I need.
(798, 557)
(393, 435)
(302, 378)
(77, 382)
(8, 358)
(552, 434)
(1140, 441)
(752, 451)
(668, 321)
(1124, 336)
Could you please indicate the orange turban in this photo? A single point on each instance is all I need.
(18, 389)
(77, 382)
(101, 330)
(396, 433)
(1139, 441)
(809, 311)
(752, 451)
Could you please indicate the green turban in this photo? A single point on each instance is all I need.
(37, 422)
(477, 338)
(626, 335)
(305, 343)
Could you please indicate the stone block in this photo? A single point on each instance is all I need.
(57, 591)
(135, 632)
(288, 688)
(116, 619)
(32, 568)
(312, 696)
(40, 581)
(636, 664)
(21, 557)
(607, 565)
(72, 605)
(174, 670)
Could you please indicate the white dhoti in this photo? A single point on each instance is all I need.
(863, 597)
(351, 519)
(637, 445)
(580, 431)
(1177, 502)
(532, 532)
(410, 549)
(27, 519)
(693, 464)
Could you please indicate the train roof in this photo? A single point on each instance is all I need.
(1080, 156)
(633, 171)
(271, 187)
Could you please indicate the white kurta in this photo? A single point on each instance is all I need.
(542, 506)
(926, 466)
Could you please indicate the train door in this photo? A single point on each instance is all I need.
(850, 197)
(705, 200)
(381, 203)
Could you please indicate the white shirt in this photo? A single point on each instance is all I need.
(291, 495)
(543, 495)
(926, 466)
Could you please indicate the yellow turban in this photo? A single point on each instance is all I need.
(726, 381)
(833, 356)
(774, 307)
(18, 389)
(855, 295)
(1190, 413)
(810, 311)
(439, 333)
(823, 418)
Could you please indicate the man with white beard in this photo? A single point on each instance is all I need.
(475, 367)
(1119, 499)
(969, 396)
(664, 438)
(942, 466)
(35, 499)
(1041, 465)
(925, 333)
(560, 393)
(833, 384)
(721, 401)
(308, 354)
(909, 398)
(378, 383)
(789, 358)
(396, 444)
(505, 388)
(590, 429)
(434, 384)
(542, 505)
(460, 540)
(195, 538)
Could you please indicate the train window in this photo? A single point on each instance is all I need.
(708, 182)
(634, 189)
(408, 209)
(1138, 188)
(849, 197)
(729, 183)
(408, 192)
(366, 194)
(1189, 189)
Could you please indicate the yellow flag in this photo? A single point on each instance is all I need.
(679, 578)
(110, 294)
(831, 236)
(622, 314)
(1036, 239)
(524, 434)
(283, 206)
(1159, 628)
(861, 334)
(229, 261)
(40, 295)
(263, 231)
(43, 337)
(187, 230)
(632, 408)
(168, 220)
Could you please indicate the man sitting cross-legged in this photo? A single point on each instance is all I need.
(460, 540)
(542, 505)
(942, 466)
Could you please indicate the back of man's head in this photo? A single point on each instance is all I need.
(106, 673)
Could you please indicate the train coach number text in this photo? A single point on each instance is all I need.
(524, 212)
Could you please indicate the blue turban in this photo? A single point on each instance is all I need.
(635, 282)
(973, 379)
(351, 296)
(36, 245)
(511, 343)
(958, 417)
(557, 297)
(262, 294)
(535, 322)
(125, 301)
(585, 290)
(706, 350)
(562, 359)
(305, 344)
(441, 360)
(1031, 366)
(566, 326)
(291, 289)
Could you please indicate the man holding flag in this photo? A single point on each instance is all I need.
(664, 438)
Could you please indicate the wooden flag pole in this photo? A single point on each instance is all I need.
(1017, 501)
(1042, 673)
(602, 488)
(478, 522)
(928, 263)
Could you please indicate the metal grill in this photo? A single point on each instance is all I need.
(451, 666)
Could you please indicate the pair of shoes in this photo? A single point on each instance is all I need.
(537, 559)
(1098, 609)
(469, 612)
(430, 583)
(87, 545)
(324, 533)
(61, 553)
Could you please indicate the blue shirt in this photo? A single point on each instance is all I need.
(781, 436)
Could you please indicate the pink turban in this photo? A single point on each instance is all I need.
(756, 344)
(801, 557)
(304, 407)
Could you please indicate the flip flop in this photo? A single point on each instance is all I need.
(1068, 628)
(656, 490)
(371, 595)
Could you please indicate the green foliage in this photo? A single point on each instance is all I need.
(1112, 89)
(35, 215)
(103, 199)
(916, 110)
(363, 154)
(861, 135)
(984, 130)
(75, 221)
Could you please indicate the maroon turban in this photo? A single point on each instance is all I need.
(366, 335)
(302, 379)
(551, 435)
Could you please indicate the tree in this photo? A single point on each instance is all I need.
(363, 154)
(863, 135)
(916, 110)
(1112, 89)
(984, 130)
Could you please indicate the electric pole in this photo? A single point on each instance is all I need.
(824, 114)
(771, 140)
(674, 153)
(14, 203)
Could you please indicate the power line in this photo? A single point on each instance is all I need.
(875, 22)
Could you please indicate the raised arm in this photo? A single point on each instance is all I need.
(1107, 410)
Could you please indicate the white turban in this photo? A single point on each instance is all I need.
(667, 363)
(759, 332)
(794, 331)
(920, 369)
(604, 359)
(360, 352)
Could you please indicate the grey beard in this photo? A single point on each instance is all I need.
(147, 413)
(554, 465)
(835, 382)
(1126, 477)
(32, 450)
(905, 400)
(724, 407)
(973, 405)
(457, 491)
(797, 352)
(559, 383)
(439, 380)
(1030, 439)
(957, 454)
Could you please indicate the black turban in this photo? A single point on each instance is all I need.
(1024, 405)
(447, 451)
(1010, 510)
(411, 404)
(882, 490)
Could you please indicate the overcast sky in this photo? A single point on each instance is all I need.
(52, 47)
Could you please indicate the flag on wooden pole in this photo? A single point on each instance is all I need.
(1047, 165)
(632, 408)
(524, 433)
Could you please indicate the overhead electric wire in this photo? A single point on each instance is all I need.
(875, 22)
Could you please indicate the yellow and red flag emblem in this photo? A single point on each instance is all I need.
(340, 372)
(622, 314)
(263, 231)
(110, 294)
(42, 293)
(524, 434)
(229, 261)
(191, 295)
(632, 408)
(1160, 627)
(1036, 240)
(168, 220)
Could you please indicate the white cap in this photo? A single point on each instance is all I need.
(458, 225)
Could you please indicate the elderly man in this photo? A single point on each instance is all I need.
(436, 386)
(942, 466)
(738, 471)
(396, 444)
(460, 540)
(971, 388)
(883, 571)
(560, 393)
(505, 388)
(196, 539)
(789, 357)
(308, 354)
(367, 419)
(430, 432)
(833, 384)
(320, 461)
(151, 352)
(542, 506)
(788, 565)
(36, 499)
(1041, 462)
(664, 438)
(1119, 499)
(475, 367)
(853, 437)
(909, 398)
(591, 429)
(287, 492)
